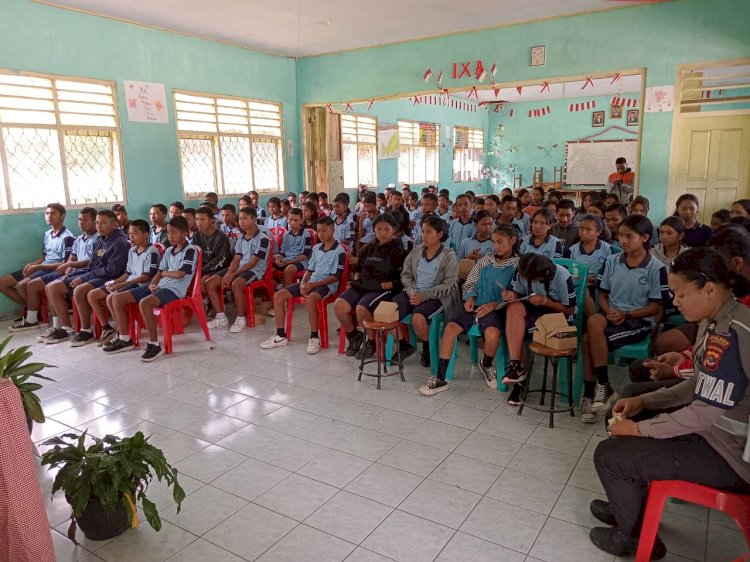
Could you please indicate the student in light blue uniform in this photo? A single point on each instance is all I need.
(296, 248)
(323, 277)
(480, 244)
(592, 252)
(366, 218)
(345, 224)
(462, 227)
(632, 291)
(507, 214)
(275, 218)
(540, 241)
(549, 288)
(428, 206)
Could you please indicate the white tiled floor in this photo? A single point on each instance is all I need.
(286, 457)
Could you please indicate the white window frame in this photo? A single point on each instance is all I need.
(468, 154)
(193, 125)
(409, 144)
(359, 131)
(63, 92)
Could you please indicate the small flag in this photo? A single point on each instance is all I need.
(348, 107)
(512, 112)
(493, 69)
(497, 91)
(615, 78)
(545, 86)
(588, 82)
(519, 89)
(369, 105)
(416, 100)
(427, 75)
(330, 108)
(440, 79)
(474, 92)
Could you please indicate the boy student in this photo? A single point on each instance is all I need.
(444, 209)
(412, 206)
(229, 224)
(122, 215)
(396, 205)
(303, 197)
(613, 216)
(491, 205)
(176, 209)
(324, 208)
(158, 216)
(345, 227)
(382, 202)
(143, 263)
(321, 280)
(429, 207)
(171, 282)
(508, 213)
(292, 198)
(275, 218)
(296, 247)
(213, 242)
(285, 208)
(213, 198)
(261, 212)
(480, 244)
(108, 261)
(462, 226)
(58, 243)
(566, 229)
(78, 258)
(365, 229)
(249, 264)
(189, 214)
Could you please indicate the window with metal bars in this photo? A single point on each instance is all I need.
(468, 154)
(419, 156)
(359, 144)
(59, 142)
(229, 145)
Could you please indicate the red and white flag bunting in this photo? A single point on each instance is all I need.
(624, 102)
(512, 112)
(445, 101)
(541, 112)
(582, 106)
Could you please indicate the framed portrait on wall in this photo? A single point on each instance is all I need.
(597, 119)
(633, 115)
(615, 112)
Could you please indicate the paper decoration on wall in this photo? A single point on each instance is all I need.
(659, 99)
(548, 151)
(147, 102)
(416, 100)
(427, 134)
(348, 107)
(445, 102)
(545, 86)
(473, 92)
(625, 102)
(512, 112)
(541, 112)
(708, 94)
(615, 78)
(369, 104)
(582, 106)
(388, 143)
(519, 89)
(588, 82)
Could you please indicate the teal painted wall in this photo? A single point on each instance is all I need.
(656, 37)
(559, 126)
(39, 38)
(392, 110)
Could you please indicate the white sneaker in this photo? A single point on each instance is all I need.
(274, 341)
(238, 325)
(271, 312)
(313, 345)
(216, 323)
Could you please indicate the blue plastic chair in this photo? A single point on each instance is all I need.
(436, 329)
(474, 334)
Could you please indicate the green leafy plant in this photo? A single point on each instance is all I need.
(112, 470)
(13, 366)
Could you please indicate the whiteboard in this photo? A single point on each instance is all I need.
(591, 162)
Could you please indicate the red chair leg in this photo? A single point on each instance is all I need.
(201, 315)
(166, 329)
(250, 305)
(651, 520)
(342, 341)
(289, 318)
(323, 324)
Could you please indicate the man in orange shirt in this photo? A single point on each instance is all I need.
(622, 182)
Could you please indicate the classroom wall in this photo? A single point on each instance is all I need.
(39, 38)
(392, 110)
(557, 127)
(656, 37)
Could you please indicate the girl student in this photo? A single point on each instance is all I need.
(696, 234)
(480, 244)
(671, 232)
(482, 295)
(597, 209)
(740, 208)
(641, 206)
(310, 215)
(632, 288)
(588, 198)
(540, 241)
(592, 252)
(524, 199)
(430, 281)
(379, 265)
(546, 288)
(702, 439)
(536, 200)
(275, 216)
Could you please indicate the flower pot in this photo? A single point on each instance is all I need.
(100, 524)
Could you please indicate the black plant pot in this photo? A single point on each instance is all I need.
(100, 524)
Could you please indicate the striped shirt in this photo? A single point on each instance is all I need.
(57, 247)
(143, 263)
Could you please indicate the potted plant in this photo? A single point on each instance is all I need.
(103, 481)
(13, 366)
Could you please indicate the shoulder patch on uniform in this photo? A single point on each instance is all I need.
(716, 346)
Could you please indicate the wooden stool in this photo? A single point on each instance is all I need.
(381, 330)
(554, 356)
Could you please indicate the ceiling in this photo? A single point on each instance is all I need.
(601, 86)
(311, 27)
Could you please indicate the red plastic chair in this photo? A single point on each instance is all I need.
(737, 506)
(169, 315)
(322, 307)
(313, 235)
(160, 247)
(279, 275)
(266, 283)
(277, 233)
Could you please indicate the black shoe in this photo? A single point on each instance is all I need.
(22, 326)
(366, 351)
(82, 338)
(433, 386)
(118, 345)
(424, 359)
(614, 541)
(603, 512)
(152, 352)
(514, 398)
(57, 336)
(108, 335)
(407, 350)
(514, 372)
(355, 342)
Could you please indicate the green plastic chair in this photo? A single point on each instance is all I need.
(500, 357)
(436, 329)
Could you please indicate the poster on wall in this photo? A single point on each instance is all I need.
(147, 102)
(388, 145)
(659, 99)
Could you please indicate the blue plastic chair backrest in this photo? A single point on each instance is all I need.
(580, 274)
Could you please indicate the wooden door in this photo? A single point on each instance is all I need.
(712, 161)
